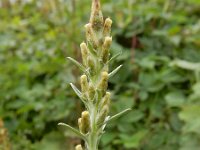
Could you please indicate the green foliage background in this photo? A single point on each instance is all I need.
(160, 79)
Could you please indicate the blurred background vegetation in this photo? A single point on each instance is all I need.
(160, 79)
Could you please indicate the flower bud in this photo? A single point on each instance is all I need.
(91, 36)
(84, 84)
(84, 52)
(106, 99)
(96, 18)
(80, 124)
(85, 121)
(78, 147)
(105, 49)
(105, 55)
(107, 27)
(91, 92)
(103, 114)
(107, 43)
(88, 28)
(103, 82)
(91, 65)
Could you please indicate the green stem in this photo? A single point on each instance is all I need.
(92, 143)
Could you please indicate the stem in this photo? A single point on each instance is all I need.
(92, 143)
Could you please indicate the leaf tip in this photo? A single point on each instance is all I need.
(61, 124)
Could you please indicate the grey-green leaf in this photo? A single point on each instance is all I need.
(73, 130)
(114, 57)
(78, 93)
(79, 65)
(114, 71)
(119, 114)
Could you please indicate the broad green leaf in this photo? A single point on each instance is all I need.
(134, 140)
(190, 115)
(132, 116)
(175, 99)
(108, 138)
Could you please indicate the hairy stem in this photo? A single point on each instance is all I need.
(92, 142)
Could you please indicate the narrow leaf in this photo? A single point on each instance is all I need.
(78, 93)
(114, 57)
(114, 71)
(79, 65)
(73, 130)
(106, 120)
(119, 114)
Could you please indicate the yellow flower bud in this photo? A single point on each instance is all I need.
(105, 50)
(91, 92)
(78, 147)
(106, 99)
(107, 43)
(91, 65)
(103, 82)
(96, 18)
(88, 28)
(80, 125)
(84, 84)
(85, 121)
(84, 52)
(105, 55)
(107, 27)
(91, 36)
